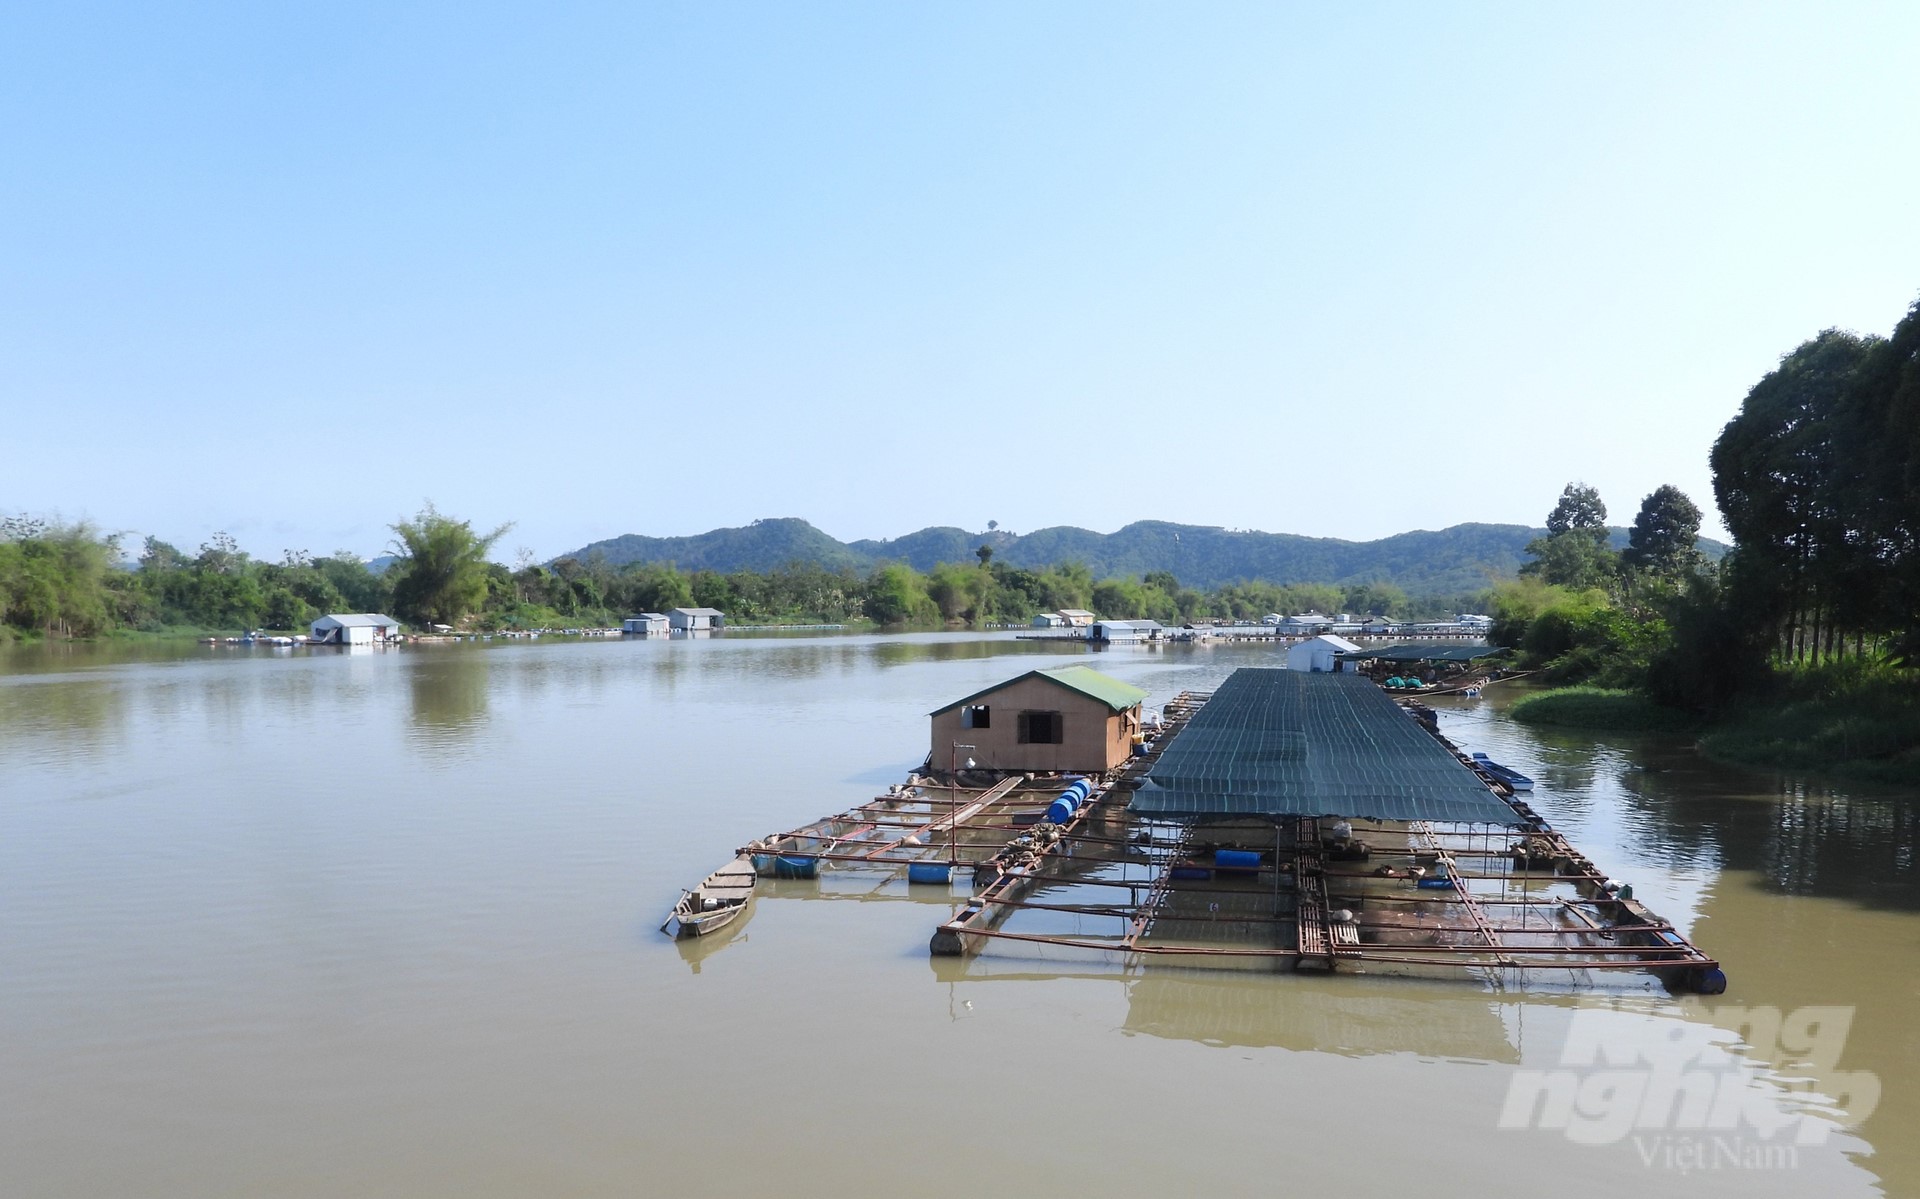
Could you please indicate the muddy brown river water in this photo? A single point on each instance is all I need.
(383, 923)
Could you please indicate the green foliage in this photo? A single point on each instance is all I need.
(960, 592)
(1860, 718)
(1614, 709)
(53, 577)
(441, 576)
(1818, 477)
(1665, 535)
(1517, 604)
(1579, 509)
(1573, 559)
(898, 595)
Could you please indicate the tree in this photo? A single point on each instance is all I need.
(441, 576)
(1579, 508)
(1572, 559)
(1665, 534)
(1574, 553)
(984, 553)
(1787, 474)
(898, 595)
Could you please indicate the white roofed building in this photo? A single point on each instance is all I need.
(354, 628)
(1319, 653)
(695, 619)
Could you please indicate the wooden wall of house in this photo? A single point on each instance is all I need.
(1094, 737)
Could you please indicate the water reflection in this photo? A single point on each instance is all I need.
(61, 717)
(238, 893)
(1335, 1016)
(449, 696)
(1798, 835)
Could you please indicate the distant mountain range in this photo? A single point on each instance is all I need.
(1459, 559)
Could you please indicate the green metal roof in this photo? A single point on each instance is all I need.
(1110, 691)
(1428, 653)
(1294, 743)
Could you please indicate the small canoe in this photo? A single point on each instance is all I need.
(1506, 774)
(716, 902)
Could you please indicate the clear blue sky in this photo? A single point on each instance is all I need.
(290, 269)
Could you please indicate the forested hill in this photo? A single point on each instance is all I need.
(1454, 560)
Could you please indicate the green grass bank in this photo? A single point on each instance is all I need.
(1598, 708)
(1859, 722)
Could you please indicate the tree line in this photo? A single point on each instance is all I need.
(73, 580)
(1818, 479)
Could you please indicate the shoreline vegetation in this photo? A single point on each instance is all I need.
(1801, 648)
(1862, 729)
(73, 582)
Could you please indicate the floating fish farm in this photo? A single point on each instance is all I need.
(1287, 821)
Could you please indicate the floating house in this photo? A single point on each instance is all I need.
(1304, 622)
(1320, 654)
(646, 622)
(1068, 718)
(1076, 618)
(1049, 620)
(1124, 630)
(353, 628)
(693, 620)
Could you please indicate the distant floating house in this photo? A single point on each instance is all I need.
(1320, 654)
(1068, 718)
(1304, 622)
(354, 628)
(646, 622)
(1049, 620)
(1076, 618)
(693, 620)
(1124, 630)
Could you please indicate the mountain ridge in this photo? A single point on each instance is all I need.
(1454, 560)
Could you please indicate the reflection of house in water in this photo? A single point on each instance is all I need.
(1346, 1018)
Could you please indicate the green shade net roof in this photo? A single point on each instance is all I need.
(1429, 653)
(1294, 743)
(1110, 691)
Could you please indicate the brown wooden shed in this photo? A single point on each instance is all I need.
(1069, 718)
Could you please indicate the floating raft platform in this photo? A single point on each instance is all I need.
(1286, 822)
(1476, 882)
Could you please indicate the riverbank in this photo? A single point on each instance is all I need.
(1857, 725)
(10, 635)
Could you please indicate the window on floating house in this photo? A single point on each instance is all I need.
(1041, 728)
(979, 716)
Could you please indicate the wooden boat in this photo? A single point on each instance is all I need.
(715, 902)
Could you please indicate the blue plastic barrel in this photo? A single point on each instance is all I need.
(1236, 859)
(1062, 809)
(929, 872)
(792, 866)
(1191, 873)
